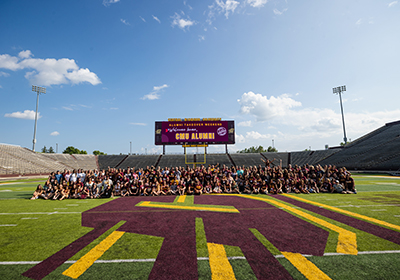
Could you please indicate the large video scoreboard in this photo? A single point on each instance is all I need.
(194, 132)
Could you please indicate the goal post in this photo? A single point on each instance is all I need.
(195, 157)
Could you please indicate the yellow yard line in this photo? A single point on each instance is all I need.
(347, 240)
(376, 221)
(219, 263)
(78, 268)
(307, 268)
(181, 198)
(184, 207)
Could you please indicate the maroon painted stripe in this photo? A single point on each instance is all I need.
(385, 233)
(47, 266)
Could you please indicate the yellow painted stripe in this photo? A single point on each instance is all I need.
(307, 268)
(219, 263)
(184, 207)
(376, 221)
(181, 198)
(347, 240)
(78, 268)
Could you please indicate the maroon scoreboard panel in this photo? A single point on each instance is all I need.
(194, 132)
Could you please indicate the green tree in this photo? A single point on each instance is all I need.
(98, 153)
(272, 150)
(253, 149)
(44, 150)
(50, 150)
(259, 149)
(72, 150)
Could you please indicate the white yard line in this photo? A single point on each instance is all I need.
(41, 213)
(206, 258)
(9, 225)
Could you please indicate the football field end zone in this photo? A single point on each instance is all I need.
(347, 241)
(356, 215)
(350, 220)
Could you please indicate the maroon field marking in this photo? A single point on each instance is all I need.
(177, 258)
(47, 266)
(384, 233)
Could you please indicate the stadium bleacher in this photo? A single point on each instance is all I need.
(138, 161)
(371, 151)
(18, 160)
(377, 150)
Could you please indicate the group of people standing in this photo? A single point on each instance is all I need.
(156, 181)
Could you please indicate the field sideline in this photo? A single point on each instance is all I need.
(316, 236)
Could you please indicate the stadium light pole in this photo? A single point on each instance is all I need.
(338, 90)
(38, 90)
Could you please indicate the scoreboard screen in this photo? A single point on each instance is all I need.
(194, 132)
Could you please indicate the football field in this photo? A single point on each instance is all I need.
(293, 236)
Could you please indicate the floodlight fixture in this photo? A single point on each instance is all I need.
(38, 90)
(339, 90)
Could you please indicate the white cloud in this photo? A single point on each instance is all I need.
(202, 38)
(358, 22)
(266, 109)
(25, 54)
(125, 22)
(48, 71)
(4, 74)
(278, 13)
(26, 115)
(182, 23)
(9, 62)
(155, 93)
(55, 133)
(156, 18)
(239, 138)
(391, 4)
(158, 88)
(67, 108)
(245, 123)
(227, 7)
(151, 96)
(307, 125)
(257, 3)
(140, 124)
(256, 135)
(143, 19)
(109, 2)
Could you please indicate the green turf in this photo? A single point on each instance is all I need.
(42, 230)
(383, 266)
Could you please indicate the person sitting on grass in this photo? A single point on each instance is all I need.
(264, 187)
(155, 188)
(338, 188)
(181, 187)
(235, 187)
(198, 189)
(125, 189)
(38, 192)
(349, 184)
(107, 192)
(117, 189)
(64, 192)
(165, 188)
(217, 186)
(248, 188)
(134, 188)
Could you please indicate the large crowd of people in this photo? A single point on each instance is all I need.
(156, 181)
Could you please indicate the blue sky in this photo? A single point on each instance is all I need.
(112, 68)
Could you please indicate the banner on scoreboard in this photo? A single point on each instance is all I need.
(194, 132)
